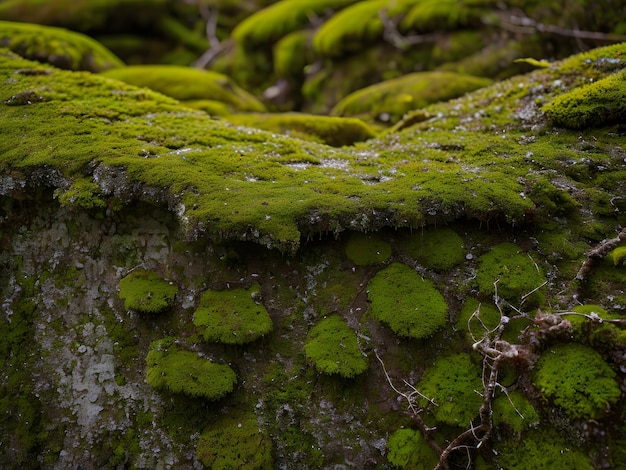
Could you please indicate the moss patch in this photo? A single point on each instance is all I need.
(331, 346)
(408, 449)
(438, 249)
(146, 292)
(514, 411)
(576, 378)
(367, 249)
(410, 305)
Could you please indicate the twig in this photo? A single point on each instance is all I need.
(597, 254)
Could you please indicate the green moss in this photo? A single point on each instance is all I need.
(146, 292)
(576, 378)
(551, 201)
(434, 15)
(410, 305)
(541, 449)
(618, 256)
(487, 318)
(85, 194)
(398, 96)
(333, 349)
(516, 273)
(596, 104)
(451, 383)
(594, 332)
(292, 54)
(186, 83)
(236, 441)
(514, 411)
(367, 249)
(408, 449)
(56, 46)
(177, 371)
(330, 130)
(232, 316)
(436, 248)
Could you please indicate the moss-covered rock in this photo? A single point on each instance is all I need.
(576, 378)
(367, 249)
(178, 371)
(188, 84)
(59, 47)
(409, 304)
(232, 316)
(396, 97)
(436, 248)
(331, 346)
(407, 449)
(146, 292)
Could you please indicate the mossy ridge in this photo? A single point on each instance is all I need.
(232, 316)
(407, 448)
(433, 15)
(146, 292)
(187, 84)
(410, 305)
(178, 371)
(576, 378)
(59, 47)
(333, 349)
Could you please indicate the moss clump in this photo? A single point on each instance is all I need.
(188, 84)
(592, 329)
(438, 249)
(408, 449)
(596, 104)
(488, 317)
(331, 346)
(236, 442)
(330, 130)
(178, 371)
(514, 411)
(541, 449)
(56, 46)
(516, 273)
(367, 249)
(292, 54)
(618, 256)
(410, 305)
(576, 378)
(232, 316)
(451, 383)
(146, 292)
(396, 97)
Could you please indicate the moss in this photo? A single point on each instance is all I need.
(434, 15)
(85, 194)
(367, 249)
(333, 349)
(451, 383)
(330, 130)
(410, 305)
(436, 248)
(618, 256)
(551, 201)
(487, 318)
(541, 449)
(514, 411)
(236, 442)
(232, 316)
(408, 449)
(146, 292)
(56, 46)
(177, 371)
(398, 96)
(596, 104)
(516, 273)
(186, 83)
(594, 332)
(576, 378)
(292, 54)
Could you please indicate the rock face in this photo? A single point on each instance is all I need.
(99, 180)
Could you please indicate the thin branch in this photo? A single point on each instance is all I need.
(598, 253)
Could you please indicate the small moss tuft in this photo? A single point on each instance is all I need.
(438, 249)
(514, 411)
(367, 249)
(408, 449)
(146, 292)
(618, 256)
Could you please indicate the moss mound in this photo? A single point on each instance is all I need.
(366, 249)
(487, 318)
(59, 47)
(178, 371)
(329, 130)
(396, 97)
(438, 249)
(146, 292)
(331, 346)
(450, 383)
(410, 305)
(515, 412)
(408, 449)
(232, 316)
(576, 378)
(188, 84)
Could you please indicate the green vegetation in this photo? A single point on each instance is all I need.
(236, 441)
(487, 318)
(576, 378)
(514, 411)
(408, 449)
(436, 248)
(618, 256)
(410, 305)
(146, 292)
(232, 316)
(331, 346)
(367, 249)
(451, 383)
(177, 371)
